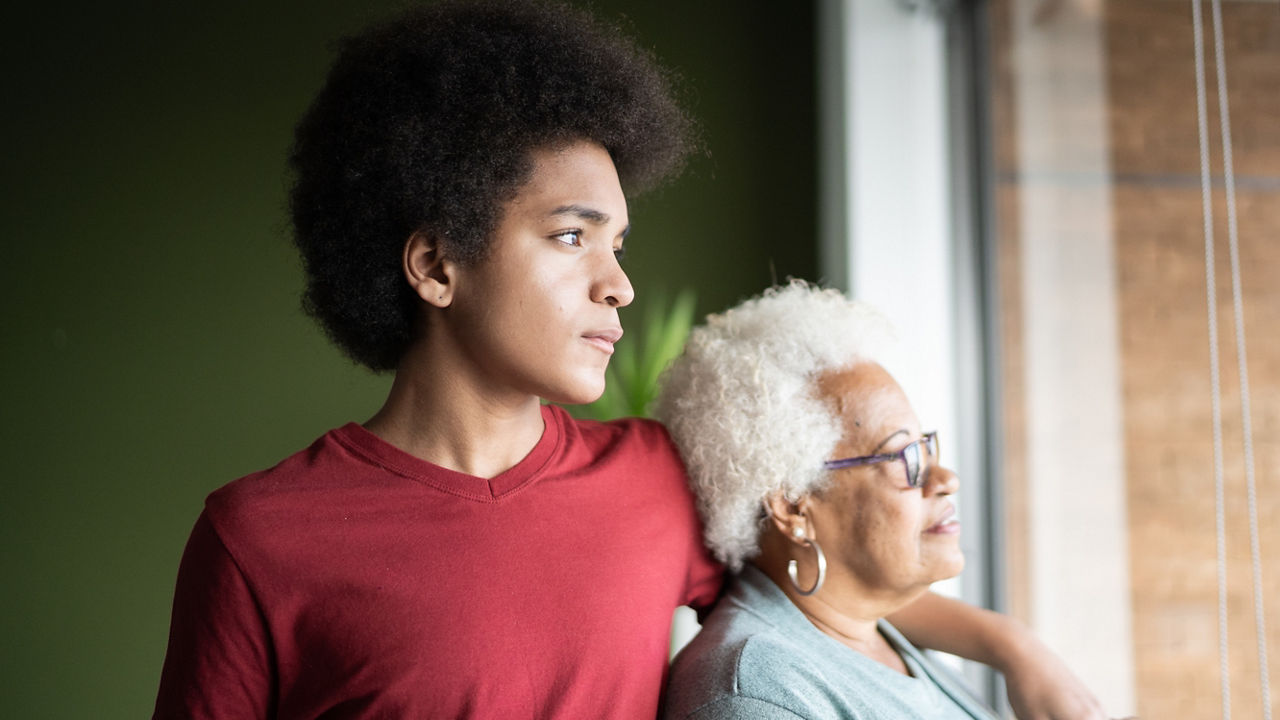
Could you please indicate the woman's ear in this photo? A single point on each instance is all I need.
(429, 272)
(789, 518)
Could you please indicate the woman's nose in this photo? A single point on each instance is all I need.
(940, 480)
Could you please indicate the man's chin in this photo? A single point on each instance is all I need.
(576, 396)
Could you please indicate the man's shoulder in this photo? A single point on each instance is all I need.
(277, 493)
(628, 429)
(627, 437)
(300, 463)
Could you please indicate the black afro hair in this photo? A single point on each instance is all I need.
(427, 123)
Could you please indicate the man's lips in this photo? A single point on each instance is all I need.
(946, 524)
(604, 338)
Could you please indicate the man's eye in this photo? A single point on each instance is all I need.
(569, 237)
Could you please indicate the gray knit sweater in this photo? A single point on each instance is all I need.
(757, 656)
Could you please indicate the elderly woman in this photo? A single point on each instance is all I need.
(821, 490)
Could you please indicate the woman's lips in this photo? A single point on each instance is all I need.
(946, 525)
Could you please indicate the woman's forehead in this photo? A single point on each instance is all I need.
(870, 403)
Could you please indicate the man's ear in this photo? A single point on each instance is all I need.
(429, 272)
(789, 518)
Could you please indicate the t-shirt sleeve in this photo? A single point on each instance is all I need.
(706, 580)
(704, 577)
(218, 664)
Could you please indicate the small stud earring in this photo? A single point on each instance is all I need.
(798, 532)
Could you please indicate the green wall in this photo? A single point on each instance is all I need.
(153, 348)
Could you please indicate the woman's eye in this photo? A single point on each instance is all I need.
(619, 253)
(569, 237)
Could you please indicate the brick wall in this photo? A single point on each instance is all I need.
(1159, 256)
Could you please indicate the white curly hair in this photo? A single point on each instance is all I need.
(740, 403)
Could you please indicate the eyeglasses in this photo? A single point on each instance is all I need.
(910, 456)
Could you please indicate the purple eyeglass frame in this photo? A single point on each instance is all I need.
(931, 442)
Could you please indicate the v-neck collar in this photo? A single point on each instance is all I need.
(375, 450)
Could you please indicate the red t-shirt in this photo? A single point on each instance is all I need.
(354, 580)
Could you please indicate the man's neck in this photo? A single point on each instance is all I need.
(438, 413)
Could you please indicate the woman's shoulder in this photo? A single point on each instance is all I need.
(762, 675)
(738, 707)
(740, 665)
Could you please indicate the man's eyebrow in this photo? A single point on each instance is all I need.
(903, 431)
(589, 214)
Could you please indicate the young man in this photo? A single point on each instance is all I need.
(468, 552)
